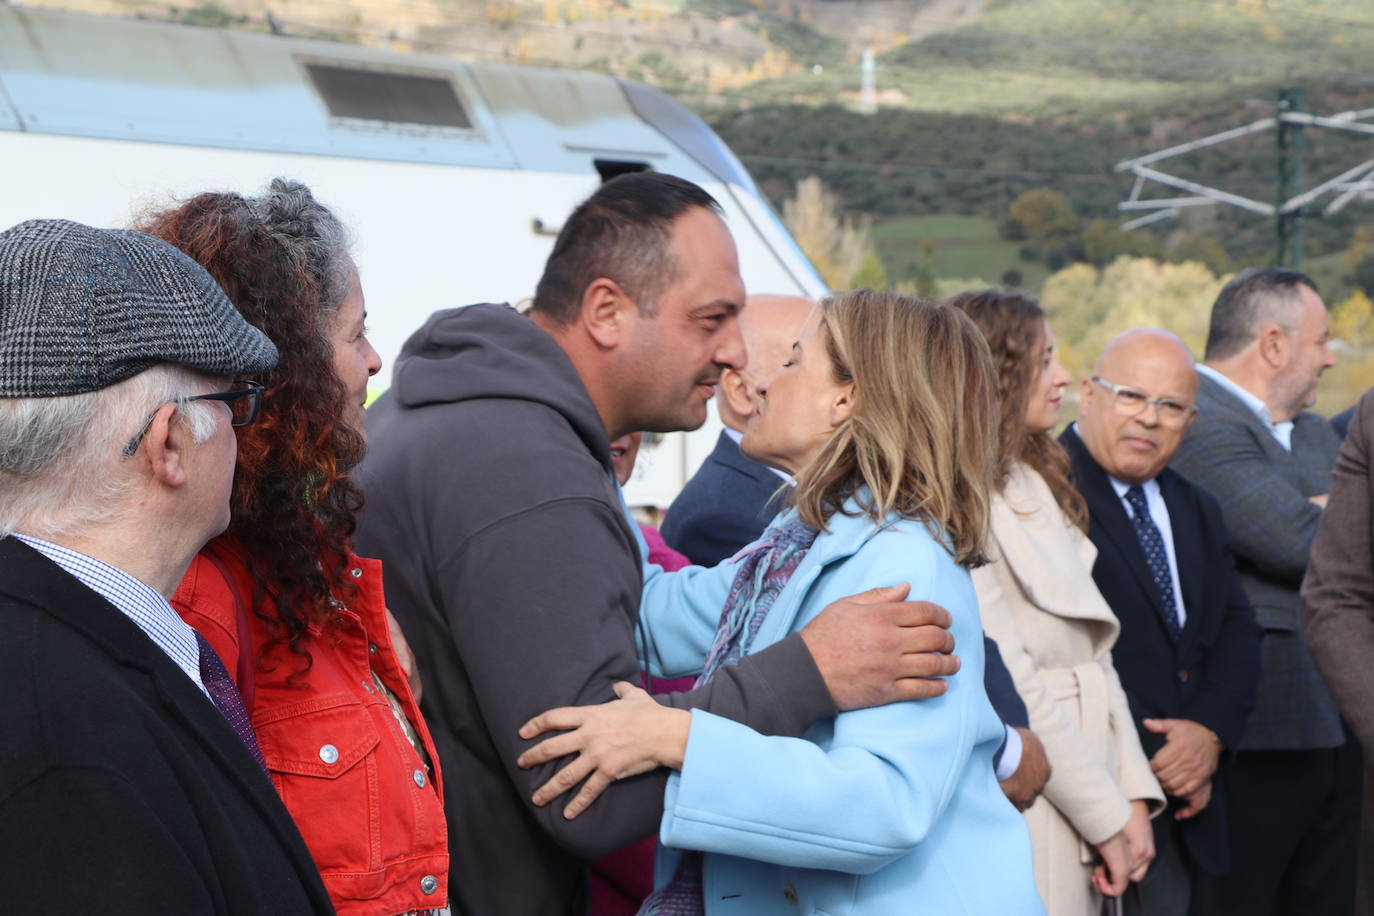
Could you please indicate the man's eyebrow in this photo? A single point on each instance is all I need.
(727, 305)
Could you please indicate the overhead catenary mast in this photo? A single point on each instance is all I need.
(1289, 120)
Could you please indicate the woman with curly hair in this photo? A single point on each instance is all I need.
(295, 615)
(883, 413)
(1091, 825)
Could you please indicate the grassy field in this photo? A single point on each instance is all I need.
(952, 247)
(1083, 58)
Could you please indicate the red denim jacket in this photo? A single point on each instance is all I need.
(370, 811)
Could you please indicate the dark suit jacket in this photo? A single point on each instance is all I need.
(122, 787)
(727, 504)
(1263, 490)
(1209, 675)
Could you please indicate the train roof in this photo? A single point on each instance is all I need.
(81, 75)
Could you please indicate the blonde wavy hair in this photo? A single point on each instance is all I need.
(922, 437)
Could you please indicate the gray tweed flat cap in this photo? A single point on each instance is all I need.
(82, 309)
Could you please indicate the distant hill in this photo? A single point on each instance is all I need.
(977, 100)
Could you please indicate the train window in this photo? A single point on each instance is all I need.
(377, 95)
(610, 168)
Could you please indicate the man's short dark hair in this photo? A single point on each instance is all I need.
(1255, 294)
(623, 233)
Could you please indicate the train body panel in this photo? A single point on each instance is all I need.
(454, 176)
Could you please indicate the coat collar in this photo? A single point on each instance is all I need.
(30, 577)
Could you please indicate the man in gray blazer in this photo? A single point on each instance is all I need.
(1338, 598)
(1295, 783)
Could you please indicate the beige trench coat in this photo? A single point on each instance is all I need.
(1056, 633)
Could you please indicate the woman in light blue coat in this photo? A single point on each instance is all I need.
(885, 413)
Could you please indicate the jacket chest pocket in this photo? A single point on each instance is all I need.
(321, 755)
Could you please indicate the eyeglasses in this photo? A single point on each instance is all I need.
(1131, 402)
(244, 399)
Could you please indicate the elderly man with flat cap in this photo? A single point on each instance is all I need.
(130, 779)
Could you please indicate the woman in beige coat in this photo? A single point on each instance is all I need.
(1090, 828)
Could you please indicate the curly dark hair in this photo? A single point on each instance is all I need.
(1013, 325)
(283, 259)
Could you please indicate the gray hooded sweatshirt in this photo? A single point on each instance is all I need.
(516, 577)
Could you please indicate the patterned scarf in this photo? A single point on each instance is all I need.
(767, 566)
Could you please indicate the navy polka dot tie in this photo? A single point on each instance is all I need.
(1155, 555)
(225, 695)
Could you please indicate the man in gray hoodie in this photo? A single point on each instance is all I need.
(510, 563)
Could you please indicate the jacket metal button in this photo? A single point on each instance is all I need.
(420, 778)
(372, 647)
(329, 753)
(429, 884)
(789, 893)
(356, 573)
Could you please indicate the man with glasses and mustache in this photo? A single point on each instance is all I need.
(1188, 653)
(1295, 784)
(130, 779)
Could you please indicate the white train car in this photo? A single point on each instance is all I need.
(454, 176)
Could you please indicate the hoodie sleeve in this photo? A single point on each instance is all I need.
(542, 618)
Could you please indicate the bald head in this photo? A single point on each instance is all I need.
(770, 325)
(1132, 432)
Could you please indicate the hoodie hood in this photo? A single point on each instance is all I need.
(489, 351)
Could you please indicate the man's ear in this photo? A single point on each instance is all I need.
(735, 388)
(1274, 345)
(167, 443)
(1085, 392)
(606, 312)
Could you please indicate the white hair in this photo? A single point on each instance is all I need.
(62, 463)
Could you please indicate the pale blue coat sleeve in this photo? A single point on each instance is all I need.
(679, 612)
(864, 788)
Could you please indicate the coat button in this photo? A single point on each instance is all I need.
(429, 884)
(356, 573)
(329, 753)
(789, 893)
(372, 647)
(420, 778)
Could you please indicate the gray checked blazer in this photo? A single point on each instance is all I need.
(1263, 490)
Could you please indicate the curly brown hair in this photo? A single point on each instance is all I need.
(284, 262)
(1013, 325)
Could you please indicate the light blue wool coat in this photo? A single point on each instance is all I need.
(891, 810)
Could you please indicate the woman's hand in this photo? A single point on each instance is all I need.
(614, 740)
(1140, 839)
(1113, 873)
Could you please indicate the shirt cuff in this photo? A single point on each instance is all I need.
(1010, 759)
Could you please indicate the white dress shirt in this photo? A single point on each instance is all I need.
(1283, 431)
(138, 601)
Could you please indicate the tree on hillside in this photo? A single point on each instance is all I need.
(840, 247)
(1088, 307)
(1204, 249)
(1352, 338)
(1044, 216)
(1104, 241)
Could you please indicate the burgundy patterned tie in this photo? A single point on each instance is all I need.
(225, 696)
